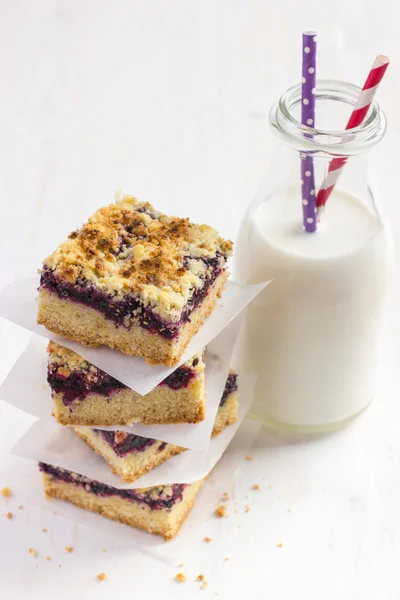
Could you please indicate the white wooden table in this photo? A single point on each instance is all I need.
(168, 100)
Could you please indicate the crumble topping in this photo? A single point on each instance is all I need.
(181, 577)
(130, 248)
(33, 552)
(6, 492)
(67, 361)
(68, 549)
(120, 437)
(200, 577)
(101, 576)
(9, 515)
(208, 540)
(249, 457)
(204, 585)
(63, 362)
(255, 486)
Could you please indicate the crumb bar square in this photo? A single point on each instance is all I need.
(135, 280)
(85, 395)
(131, 456)
(159, 510)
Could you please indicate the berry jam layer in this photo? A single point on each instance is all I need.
(125, 312)
(124, 443)
(156, 498)
(76, 385)
(230, 387)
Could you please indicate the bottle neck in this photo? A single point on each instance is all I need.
(334, 102)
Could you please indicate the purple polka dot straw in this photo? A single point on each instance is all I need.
(308, 118)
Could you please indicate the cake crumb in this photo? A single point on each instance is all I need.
(227, 558)
(33, 552)
(69, 549)
(204, 585)
(44, 530)
(249, 457)
(9, 515)
(101, 576)
(48, 557)
(225, 497)
(220, 511)
(200, 577)
(180, 577)
(120, 437)
(247, 509)
(181, 565)
(208, 540)
(280, 545)
(255, 486)
(6, 492)
(20, 507)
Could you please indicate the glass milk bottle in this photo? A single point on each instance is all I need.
(314, 335)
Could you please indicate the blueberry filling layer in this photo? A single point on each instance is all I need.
(126, 443)
(230, 387)
(180, 378)
(122, 312)
(78, 384)
(164, 498)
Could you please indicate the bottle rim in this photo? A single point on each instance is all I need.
(336, 142)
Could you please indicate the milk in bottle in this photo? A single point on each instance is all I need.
(314, 335)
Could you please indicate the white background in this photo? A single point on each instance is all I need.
(167, 100)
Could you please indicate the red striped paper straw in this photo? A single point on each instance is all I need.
(358, 115)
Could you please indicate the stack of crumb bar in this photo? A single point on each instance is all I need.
(142, 283)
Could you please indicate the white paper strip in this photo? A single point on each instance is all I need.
(25, 387)
(18, 304)
(49, 442)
